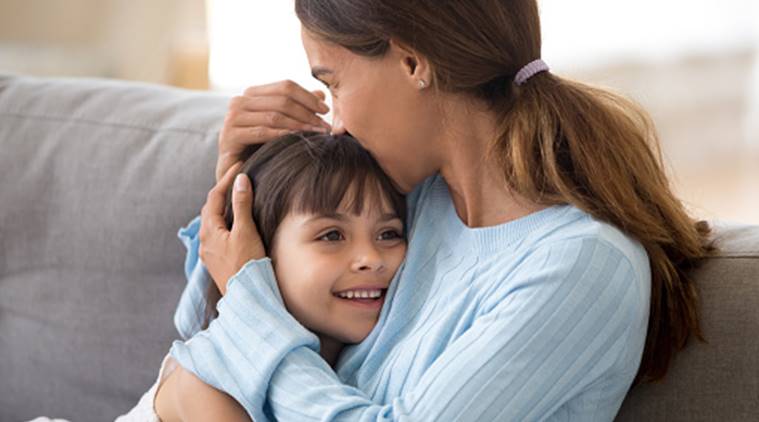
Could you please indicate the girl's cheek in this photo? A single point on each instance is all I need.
(400, 255)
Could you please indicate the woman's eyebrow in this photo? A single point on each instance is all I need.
(317, 71)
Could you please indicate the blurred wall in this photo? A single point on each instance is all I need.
(162, 41)
(701, 105)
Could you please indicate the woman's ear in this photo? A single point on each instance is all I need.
(415, 66)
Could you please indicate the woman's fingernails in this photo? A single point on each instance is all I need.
(323, 106)
(241, 183)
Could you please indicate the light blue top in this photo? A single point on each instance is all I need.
(541, 318)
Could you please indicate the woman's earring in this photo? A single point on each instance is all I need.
(422, 84)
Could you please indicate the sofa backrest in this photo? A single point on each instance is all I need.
(96, 177)
(718, 380)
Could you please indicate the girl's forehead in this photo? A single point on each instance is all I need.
(374, 201)
(372, 208)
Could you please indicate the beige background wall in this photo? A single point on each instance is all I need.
(702, 107)
(702, 103)
(160, 41)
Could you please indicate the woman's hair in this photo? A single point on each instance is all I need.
(559, 141)
(308, 173)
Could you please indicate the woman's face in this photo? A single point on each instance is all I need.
(379, 102)
(333, 271)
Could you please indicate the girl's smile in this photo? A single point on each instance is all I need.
(334, 270)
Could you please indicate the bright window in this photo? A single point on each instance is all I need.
(256, 41)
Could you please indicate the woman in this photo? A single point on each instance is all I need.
(547, 262)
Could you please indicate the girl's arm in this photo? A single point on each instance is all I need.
(561, 325)
(184, 397)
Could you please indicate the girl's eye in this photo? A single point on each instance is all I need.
(390, 235)
(332, 236)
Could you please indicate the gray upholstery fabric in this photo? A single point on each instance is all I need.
(96, 177)
(718, 381)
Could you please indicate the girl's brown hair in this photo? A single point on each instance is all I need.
(560, 141)
(308, 173)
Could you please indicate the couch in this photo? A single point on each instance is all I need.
(97, 176)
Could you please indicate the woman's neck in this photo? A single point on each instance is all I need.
(330, 349)
(477, 184)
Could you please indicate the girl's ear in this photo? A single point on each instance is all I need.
(415, 66)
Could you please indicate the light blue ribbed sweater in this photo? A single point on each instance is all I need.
(541, 318)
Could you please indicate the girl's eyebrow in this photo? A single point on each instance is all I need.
(341, 217)
(389, 216)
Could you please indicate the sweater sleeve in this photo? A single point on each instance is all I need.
(561, 321)
(191, 310)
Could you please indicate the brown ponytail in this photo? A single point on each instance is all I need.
(565, 142)
(560, 141)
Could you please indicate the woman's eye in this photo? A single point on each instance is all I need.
(332, 89)
(390, 235)
(332, 236)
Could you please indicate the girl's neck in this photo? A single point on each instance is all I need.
(330, 349)
(477, 184)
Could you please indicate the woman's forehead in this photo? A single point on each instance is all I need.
(322, 54)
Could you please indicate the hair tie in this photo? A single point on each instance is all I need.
(530, 70)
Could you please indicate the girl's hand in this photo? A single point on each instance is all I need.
(266, 112)
(224, 252)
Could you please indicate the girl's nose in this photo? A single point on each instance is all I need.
(368, 259)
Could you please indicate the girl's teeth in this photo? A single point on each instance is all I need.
(361, 294)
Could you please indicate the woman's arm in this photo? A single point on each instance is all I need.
(184, 397)
(564, 325)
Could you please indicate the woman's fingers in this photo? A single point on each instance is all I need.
(276, 107)
(267, 112)
(242, 136)
(212, 214)
(252, 135)
(277, 119)
(319, 93)
(292, 90)
(224, 252)
(242, 206)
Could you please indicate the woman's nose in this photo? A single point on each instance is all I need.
(337, 123)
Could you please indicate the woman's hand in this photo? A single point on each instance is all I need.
(266, 112)
(224, 252)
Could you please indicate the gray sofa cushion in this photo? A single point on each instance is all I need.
(95, 179)
(718, 381)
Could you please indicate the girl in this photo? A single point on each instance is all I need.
(332, 224)
(548, 260)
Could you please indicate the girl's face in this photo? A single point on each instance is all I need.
(333, 270)
(378, 101)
